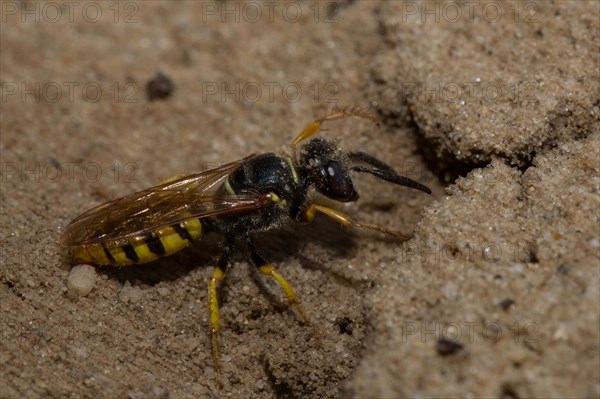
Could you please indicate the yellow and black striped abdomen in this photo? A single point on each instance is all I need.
(140, 249)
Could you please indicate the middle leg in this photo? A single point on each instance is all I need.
(269, 270)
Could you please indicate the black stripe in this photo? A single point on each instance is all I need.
(108, 254)
(183, 232)
(130, 252)
(155, 244)
(207, 224)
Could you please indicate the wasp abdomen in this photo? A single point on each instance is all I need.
(141, 249)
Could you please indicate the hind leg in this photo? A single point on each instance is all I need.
(217, 276)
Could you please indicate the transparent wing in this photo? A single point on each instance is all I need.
(193, 196)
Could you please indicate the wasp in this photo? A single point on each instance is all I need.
(238, 199)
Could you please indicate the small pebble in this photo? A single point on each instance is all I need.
(81, 280)
(446, 347)
(160, 87)
(345, 325)
(506, 304)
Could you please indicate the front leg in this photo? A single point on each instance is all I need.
(309, 214)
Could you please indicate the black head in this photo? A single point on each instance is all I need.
(328, 170)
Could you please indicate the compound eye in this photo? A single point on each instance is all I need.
(336, 183)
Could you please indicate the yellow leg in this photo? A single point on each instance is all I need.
(217, 276)
(337, 113)
(269, 270)
(346, 220)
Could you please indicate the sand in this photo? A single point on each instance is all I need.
(494, 106)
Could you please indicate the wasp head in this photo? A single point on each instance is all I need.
(328, 170)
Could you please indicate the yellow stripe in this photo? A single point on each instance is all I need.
(142, 250)
(173, 242)
(119, 255)
(194, 227)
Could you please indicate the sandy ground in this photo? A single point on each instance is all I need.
(495, 106)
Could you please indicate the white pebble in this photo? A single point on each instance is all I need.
(81, 280)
